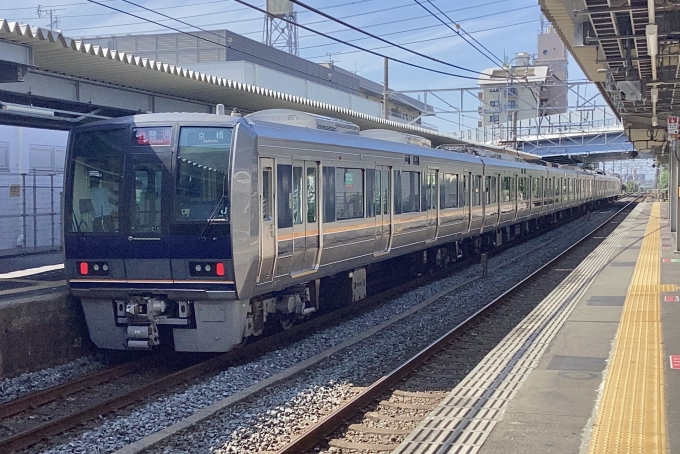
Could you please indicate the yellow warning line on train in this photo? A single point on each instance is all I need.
(632, 416)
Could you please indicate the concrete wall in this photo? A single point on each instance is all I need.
(41, 332)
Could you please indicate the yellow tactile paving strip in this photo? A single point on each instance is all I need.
(632, 416)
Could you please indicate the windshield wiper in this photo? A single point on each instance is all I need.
(212, 217)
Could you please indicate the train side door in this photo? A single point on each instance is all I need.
(268, 243)
(383, 215)
(467, 201)
(306, 235)
(432, 199)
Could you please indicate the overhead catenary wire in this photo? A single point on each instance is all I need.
(299, 25)
(398, 46)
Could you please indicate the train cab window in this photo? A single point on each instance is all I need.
(410, 192)
(96, 163)
(349, 193)
(202, 171)
(449, 191)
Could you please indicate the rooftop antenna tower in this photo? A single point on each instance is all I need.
(280, 26)
(54, 19)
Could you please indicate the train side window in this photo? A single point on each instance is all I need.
(410, 192)
(297, 195)
(493, 190)
(430, 191)
(329, 194)
(349, 193)
(449, 196)
(284, 190)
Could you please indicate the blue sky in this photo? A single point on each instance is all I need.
(504, 27)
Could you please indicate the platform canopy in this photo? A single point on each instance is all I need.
(631, 50)
(55, 82)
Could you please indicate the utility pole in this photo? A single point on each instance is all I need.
(54, 19)
(386, 112)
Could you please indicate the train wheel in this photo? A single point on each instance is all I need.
(287, 321)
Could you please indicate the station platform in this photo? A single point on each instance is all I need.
(591, 370)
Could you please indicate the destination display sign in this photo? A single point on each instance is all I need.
(205, 137)
(158, 136)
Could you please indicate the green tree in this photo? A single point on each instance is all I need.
(663, 177)
(631, 186)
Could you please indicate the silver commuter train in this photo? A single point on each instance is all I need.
(195, 229)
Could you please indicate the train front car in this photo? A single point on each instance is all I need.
(147, 232)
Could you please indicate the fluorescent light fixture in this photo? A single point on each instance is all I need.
(652, 40)
(654, 93)
(27, 110)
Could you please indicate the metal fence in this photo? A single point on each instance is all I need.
(30, 211)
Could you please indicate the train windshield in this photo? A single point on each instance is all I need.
(97, 166)
(202, 170)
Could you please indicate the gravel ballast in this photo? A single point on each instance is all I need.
(265, 423)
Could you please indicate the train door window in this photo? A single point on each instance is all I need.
(147, 208)
(410, 192)
(431, 190)
(267, 193)
(490, 190)
(505, 189)
(477, 190)
(311, 194)
(349, 193)
(449, 194)
(385, 188)
(522, 189)
(284, 182)
(466, 191)
(372, 193)
(329, 194)
(297, 195)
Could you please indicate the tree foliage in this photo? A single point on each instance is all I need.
(663, 177)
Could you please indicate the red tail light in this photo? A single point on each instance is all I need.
(84, 268)
(219, 269)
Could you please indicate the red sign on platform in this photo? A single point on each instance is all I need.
(671, 299)
(675, 361)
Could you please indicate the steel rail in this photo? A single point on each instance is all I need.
(311, 438)
(53, 393)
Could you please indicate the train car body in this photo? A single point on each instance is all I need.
(194, 229)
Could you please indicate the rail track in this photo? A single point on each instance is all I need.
(378, 417)
(40, 430)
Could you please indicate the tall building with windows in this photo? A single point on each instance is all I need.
(526, 86)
